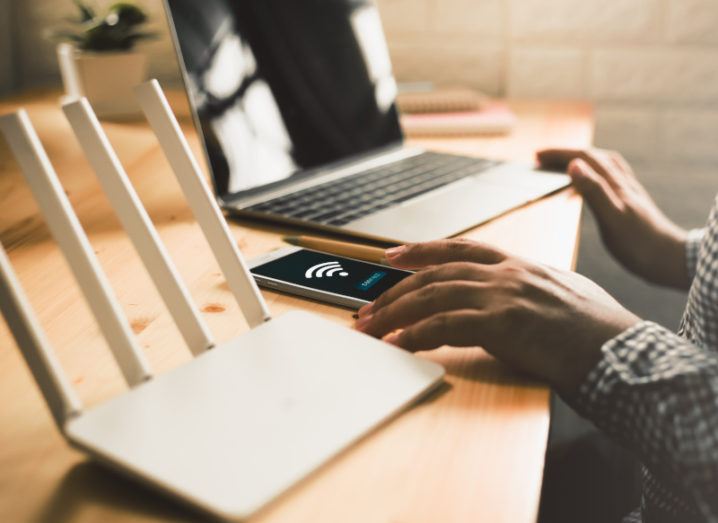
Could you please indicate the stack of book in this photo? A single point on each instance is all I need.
(453, 111)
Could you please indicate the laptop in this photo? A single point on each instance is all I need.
(294, 102)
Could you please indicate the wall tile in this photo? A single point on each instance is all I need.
(693, 21)
(690, 136)
(405, 16)
(632, 131)
(659, 74)
(483, 19)
(585, 20)
(446, 63)
(541, 72)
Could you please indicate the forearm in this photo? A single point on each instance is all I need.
(657, 394)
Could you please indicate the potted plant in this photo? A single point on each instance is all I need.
(97, 57)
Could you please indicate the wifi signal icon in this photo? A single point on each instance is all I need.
(327, 269)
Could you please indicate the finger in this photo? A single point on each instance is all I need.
(464, 271)
(595, 189)
(461, 328)
(629, 175)
(423, 303)
(557, 159)
(603, 164)
(457, 271)
(600, 161)
(620, 162)
(419, 255)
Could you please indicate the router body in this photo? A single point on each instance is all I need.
(248, 419)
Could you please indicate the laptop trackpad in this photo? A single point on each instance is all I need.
(448, 212)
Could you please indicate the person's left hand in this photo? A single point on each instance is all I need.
(544, 321)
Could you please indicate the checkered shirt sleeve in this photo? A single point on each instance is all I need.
(656, 393)
(693, 244)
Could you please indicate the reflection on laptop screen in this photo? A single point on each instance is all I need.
(279, 86)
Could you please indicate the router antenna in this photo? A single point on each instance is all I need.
(71, 238)
(28, 334)
(137, 224)
(204, 206)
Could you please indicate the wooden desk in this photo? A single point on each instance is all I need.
(472, 452)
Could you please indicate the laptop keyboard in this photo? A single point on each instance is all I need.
(341, 201)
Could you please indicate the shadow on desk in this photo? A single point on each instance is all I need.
(475, 364)
(89, 486)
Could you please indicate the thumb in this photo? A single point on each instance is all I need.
(556, 159)
(595, 189)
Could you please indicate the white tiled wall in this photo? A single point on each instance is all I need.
(650, 66)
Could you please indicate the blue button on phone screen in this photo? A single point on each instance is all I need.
(371, 280)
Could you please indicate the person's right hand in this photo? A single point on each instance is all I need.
(633, 228)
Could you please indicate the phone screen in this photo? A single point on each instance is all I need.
(326, 272)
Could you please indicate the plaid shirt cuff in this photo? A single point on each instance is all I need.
(693, 247)
(656, 393)
(639, 355)
(593, 395)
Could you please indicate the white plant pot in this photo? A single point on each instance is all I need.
(106, 79)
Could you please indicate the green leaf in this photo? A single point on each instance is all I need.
(115, 31)
(128, 14)
(86, 12)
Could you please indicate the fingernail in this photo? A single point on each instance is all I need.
(392, 338)
(394, 251)
(365, 309)
(362, 322)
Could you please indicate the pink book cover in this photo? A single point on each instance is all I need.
(494, 119)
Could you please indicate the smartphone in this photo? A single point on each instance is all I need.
(324, 277)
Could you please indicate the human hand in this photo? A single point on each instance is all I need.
(633, 228)
(544, 321)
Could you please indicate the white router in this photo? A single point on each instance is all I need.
(239, 424)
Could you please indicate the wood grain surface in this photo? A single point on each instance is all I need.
(473, 451)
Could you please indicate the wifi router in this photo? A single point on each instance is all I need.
(243, 421)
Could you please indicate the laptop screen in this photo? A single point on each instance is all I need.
(280, 86)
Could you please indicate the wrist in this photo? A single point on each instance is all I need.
(663, 261)
(675, 252)
(587, 352)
